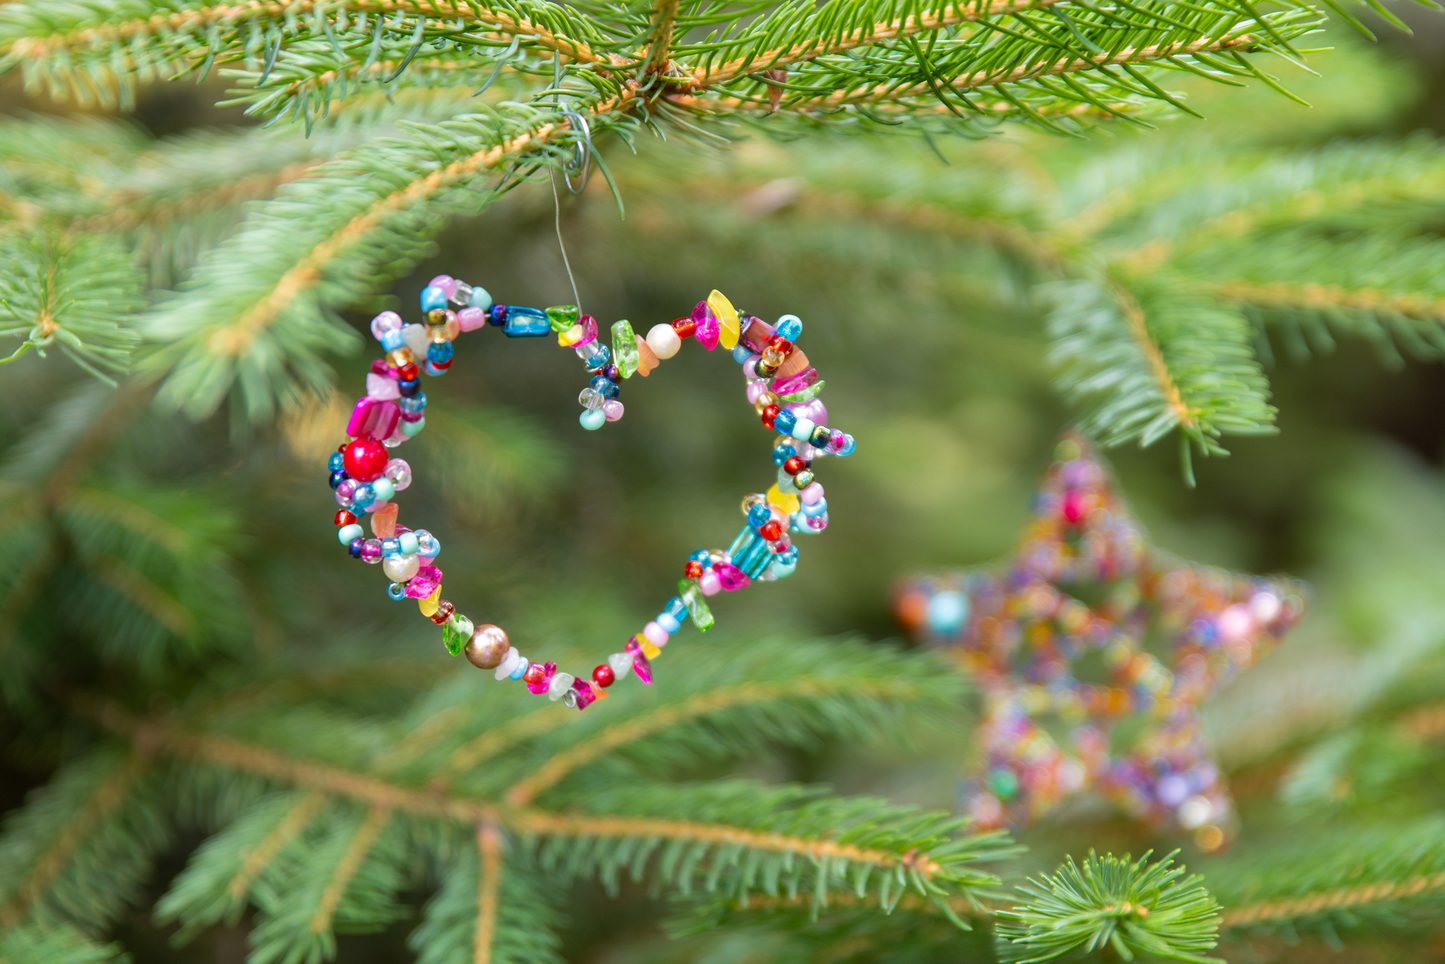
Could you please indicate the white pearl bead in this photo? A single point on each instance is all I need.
(663, 341)
(400, 568)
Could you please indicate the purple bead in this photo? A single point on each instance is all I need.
(613, 375)
(345, 491)
(499, 315)
(354, 547)
(814, 411)
(756, 334)
(371, 550)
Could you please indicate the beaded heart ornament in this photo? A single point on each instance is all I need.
(1093, 652)
(781, 386)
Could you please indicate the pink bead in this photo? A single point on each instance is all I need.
(811, 494)
(710, 584)
(818, 524)
(655, 634)
(375, 417)
(585, 693)
(424, 583)
(708, 329)
(472, 318)
(589, 331)
(446, 282)
(814, 411)
(371, 550)
(640, 665)
(1235, 623)
(756, 390)
(612, 408)
(379, 386)
(345, 491)
(795, 383)
(384, 322)
(731, 577)
(750, 370)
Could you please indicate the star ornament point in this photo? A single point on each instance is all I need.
(1093, 652)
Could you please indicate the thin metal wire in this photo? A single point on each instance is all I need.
(562, 245)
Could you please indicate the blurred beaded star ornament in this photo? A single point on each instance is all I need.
(1094, 652)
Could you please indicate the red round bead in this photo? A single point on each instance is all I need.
(603, 675)
(409, 372)
(770, 413)
(684, 327)
(693, 569)
(780, 345)
(343, 518)
(794, 465)
(772, 530)
(364, 459)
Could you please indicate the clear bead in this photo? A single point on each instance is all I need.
(463, 294)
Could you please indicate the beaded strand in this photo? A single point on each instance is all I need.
(781, 386)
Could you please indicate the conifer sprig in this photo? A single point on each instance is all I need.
(1137, 909)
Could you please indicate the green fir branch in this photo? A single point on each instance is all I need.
(1137, 909)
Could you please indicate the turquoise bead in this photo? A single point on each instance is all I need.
(409, 543)
(790, 327)
(666, 621)
(411, 428)
(433, 297)
(593, 419)
(481, 298)
(348, 532)
(521, 668)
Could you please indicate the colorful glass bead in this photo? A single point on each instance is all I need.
(640, 664)
(727, 318)
(697, 607)
(790, 327)
(525, 323)
(706, 326)
(624, 348)
(425, 582)
(562, 317)
(539, 678)
(684, 327)
(731, 577)
(603, 675)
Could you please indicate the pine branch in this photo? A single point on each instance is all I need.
(489, 847)
(220, 877)
(225, 329)
(81, 846)
(51, 943)
(74, 293)
(1152, 361)
(659, 39)
(1133, 909)
(1306, 889)
(704, 704)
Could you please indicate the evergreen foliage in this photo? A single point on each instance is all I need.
(166, 634)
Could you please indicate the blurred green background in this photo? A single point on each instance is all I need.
(935, 359)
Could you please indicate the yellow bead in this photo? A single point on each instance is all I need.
(727, 317)
(429, 604)
(785, 503)
(649, 649)
(764, 400)
(570, 337)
